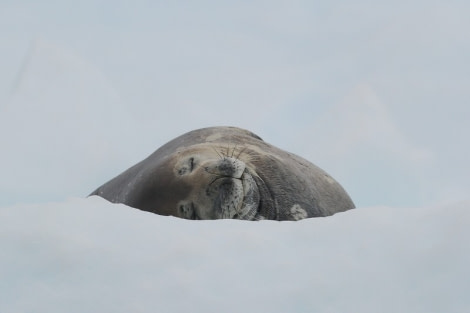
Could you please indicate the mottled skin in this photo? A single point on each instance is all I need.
(227, 172)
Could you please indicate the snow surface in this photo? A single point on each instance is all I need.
(87, 255)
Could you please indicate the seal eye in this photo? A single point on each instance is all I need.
(188, 167)
(191, 164)
(188, 211)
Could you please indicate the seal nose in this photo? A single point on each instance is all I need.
(227, 167)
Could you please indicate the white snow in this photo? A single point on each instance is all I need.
(87, 255)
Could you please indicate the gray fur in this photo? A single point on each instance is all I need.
(227, 172)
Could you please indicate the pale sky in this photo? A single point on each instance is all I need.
(375, 94)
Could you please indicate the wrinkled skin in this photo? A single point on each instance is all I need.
(226, 172)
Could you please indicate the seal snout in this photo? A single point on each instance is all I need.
(227, 167)
(232, 189)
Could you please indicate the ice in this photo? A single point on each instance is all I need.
(87, 255)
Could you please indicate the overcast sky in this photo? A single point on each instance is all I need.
(376, 94)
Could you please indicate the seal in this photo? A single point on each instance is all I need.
(227, 173)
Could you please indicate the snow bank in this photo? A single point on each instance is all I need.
(87, 255)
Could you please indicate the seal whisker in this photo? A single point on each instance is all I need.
(240, 153)
(233, 151)
(222, 152)
(213, 181)
(217, 153)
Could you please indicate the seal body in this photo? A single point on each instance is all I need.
(227, 172)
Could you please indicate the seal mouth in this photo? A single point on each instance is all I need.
(238, 195)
